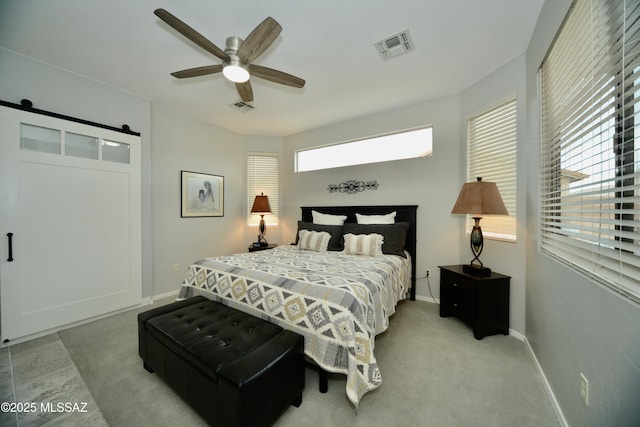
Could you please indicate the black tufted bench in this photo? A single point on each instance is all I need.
(232, 368)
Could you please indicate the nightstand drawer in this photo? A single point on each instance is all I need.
(456, 296)
(482, 302)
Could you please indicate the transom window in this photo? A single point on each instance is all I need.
(402, 145)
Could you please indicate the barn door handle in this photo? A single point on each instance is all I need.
(10, 235)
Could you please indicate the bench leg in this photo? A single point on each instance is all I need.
(147, 367)
(297, 401)
(323, 377)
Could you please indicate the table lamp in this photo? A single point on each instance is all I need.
(261, 207)
(478, 198)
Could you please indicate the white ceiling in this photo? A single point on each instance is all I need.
(328, 43)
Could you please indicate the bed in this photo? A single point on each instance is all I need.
(339, 300)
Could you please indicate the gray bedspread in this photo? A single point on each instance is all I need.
(338, 302)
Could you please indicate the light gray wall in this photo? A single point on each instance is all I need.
(53, 89)
(430, 182)
(181, 143)
(573, 324)
(507, 82)
(170, 143)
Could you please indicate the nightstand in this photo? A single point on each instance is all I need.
(262, 248)
(482, 302)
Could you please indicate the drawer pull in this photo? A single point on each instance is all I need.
(455, 305)
(455, 285)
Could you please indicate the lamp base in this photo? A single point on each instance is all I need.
(476, 270)
(262, 242)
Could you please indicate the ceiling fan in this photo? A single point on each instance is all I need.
(237, 56)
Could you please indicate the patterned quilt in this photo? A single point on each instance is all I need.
(338, 302)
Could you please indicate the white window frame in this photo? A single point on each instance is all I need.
(406, 144)
(263, 170)
(492, 155)
(590, 168)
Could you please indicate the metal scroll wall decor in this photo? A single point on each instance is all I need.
(352, 186)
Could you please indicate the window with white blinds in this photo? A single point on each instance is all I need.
(491, 138)
(590, 114)
(262, 178)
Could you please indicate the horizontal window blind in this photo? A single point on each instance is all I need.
(262, 178)
(491, 138)
(590, 158)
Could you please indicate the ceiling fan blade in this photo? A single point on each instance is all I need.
(276, 76)
(197, 71)
(245, 91)
(259, 40)
(190, 33)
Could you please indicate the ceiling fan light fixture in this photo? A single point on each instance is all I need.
(238, 56)
(236, 72)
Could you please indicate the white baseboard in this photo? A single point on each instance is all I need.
(547, 387)
(165, 295)
(143, 302)
(512, 332)
(427, 299)
(545, 383)
(516, 334)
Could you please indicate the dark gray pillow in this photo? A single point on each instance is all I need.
(395, 235)
(336, 243)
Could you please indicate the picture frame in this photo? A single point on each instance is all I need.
(201, 195)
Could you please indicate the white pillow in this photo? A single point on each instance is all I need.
(376, 219)
(363, 244)
(317, 241)
(326, 219)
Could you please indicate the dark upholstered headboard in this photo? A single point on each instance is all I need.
(406, 213)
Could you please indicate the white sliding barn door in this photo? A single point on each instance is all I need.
(73, 210)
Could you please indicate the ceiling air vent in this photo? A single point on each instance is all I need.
(394, 45)
(242, 106)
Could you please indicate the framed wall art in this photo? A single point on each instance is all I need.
(202, 194)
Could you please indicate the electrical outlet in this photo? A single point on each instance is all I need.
(584, 389)
(175, 268)
(427, 272)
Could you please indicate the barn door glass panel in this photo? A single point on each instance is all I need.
(113, 151)
(36, 138)
(84, 146)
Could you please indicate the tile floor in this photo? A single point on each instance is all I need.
(39, 377)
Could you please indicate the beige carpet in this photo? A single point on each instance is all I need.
(434, 373)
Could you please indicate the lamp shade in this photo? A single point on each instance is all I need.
(261, 205)
(480, 198)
